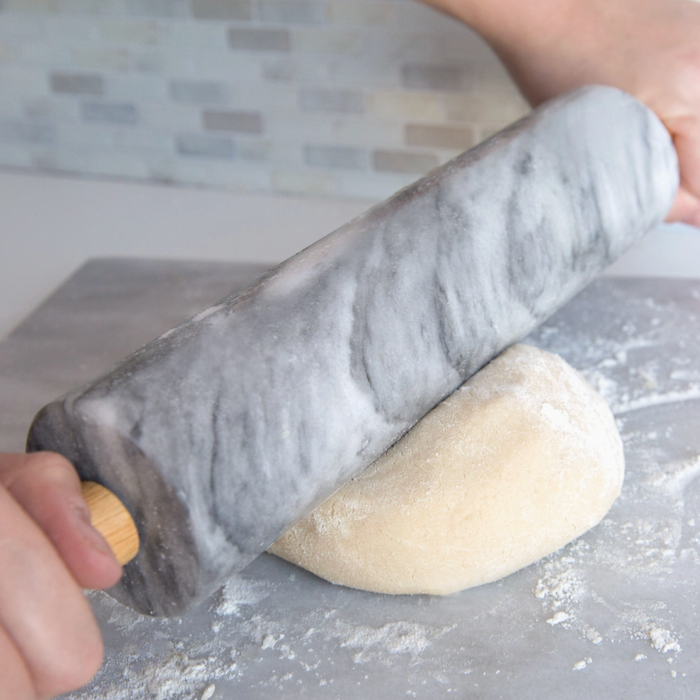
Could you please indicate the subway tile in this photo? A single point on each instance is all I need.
(71, 31)
(7, 54)
(406, 105)
(191, 38)
(269, 99)
(370, 133)
(333, 41)
(28, 132)
(291, 11)
(144, 140)
(198, 91)
(114, 164)
(242, 38)
(368, 13)
(438, 136)
(302, 68)
(102, 8)
(280, 71)
(484, 107)
(372, 186)
(204, 146)
(403, 161)
(59, 109)
(130, 32)
(22, 27)
(299, 182)
(77, 83)
(20, 81)
(434, 77)
(237, 10)
(412, 15)
(125, 87)
(335, 156)
(102, 57)
(244, 122)
(43, 55)
(110, 112)
(35, 6)
(486, 131)
(366, 71)
(158, 8)
(298, 128)
(85, 136)
(329, 100)
(219, 173)
(170, 116)
(256, 150)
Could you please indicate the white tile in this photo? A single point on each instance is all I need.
(26, 27)
(333, 41)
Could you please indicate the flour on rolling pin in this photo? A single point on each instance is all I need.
(224, 432)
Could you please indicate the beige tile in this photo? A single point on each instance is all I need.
(303, 183)
(403, 161)
(239, 10)
(438, 136)
(130, 32)
(327, 41)
(291, 11)
(369, 13)
(257, 39)
(484, 108)
(406, 106)
(101, 57)
(226, 120)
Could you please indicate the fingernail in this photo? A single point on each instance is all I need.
(89, 534)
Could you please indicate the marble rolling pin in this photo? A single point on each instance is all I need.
(222, 433)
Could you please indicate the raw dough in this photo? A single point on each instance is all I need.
(520, 460)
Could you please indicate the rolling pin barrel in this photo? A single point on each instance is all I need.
(222, 433)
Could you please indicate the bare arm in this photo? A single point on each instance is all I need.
(650, 48)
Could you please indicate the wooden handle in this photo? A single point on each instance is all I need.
(112, 520)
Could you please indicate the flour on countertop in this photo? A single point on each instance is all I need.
(622, 592)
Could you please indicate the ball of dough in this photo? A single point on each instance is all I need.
(521, 459)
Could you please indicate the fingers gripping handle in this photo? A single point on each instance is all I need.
(112, 520)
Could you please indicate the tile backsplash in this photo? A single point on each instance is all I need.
(347, 98)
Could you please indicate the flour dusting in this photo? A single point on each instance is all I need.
(622, 596)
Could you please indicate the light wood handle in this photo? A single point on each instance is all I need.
(112, 520)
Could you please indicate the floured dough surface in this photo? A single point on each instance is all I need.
(520, 460)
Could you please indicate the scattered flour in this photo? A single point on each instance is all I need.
(662, 640)
(393, 638)
(580, 665)
(240, 591)
(637, 549)
(558, 618)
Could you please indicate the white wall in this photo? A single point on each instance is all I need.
(49, 226)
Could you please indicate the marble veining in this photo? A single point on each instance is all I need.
(225, 431)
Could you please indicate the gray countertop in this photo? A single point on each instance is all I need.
(612, 615)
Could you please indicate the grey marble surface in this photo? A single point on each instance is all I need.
(626, 593)
(223, 432)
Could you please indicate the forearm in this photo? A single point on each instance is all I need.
(550, 46)
(649, 48)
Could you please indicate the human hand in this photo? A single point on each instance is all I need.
(649, 48)
(49, 640)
